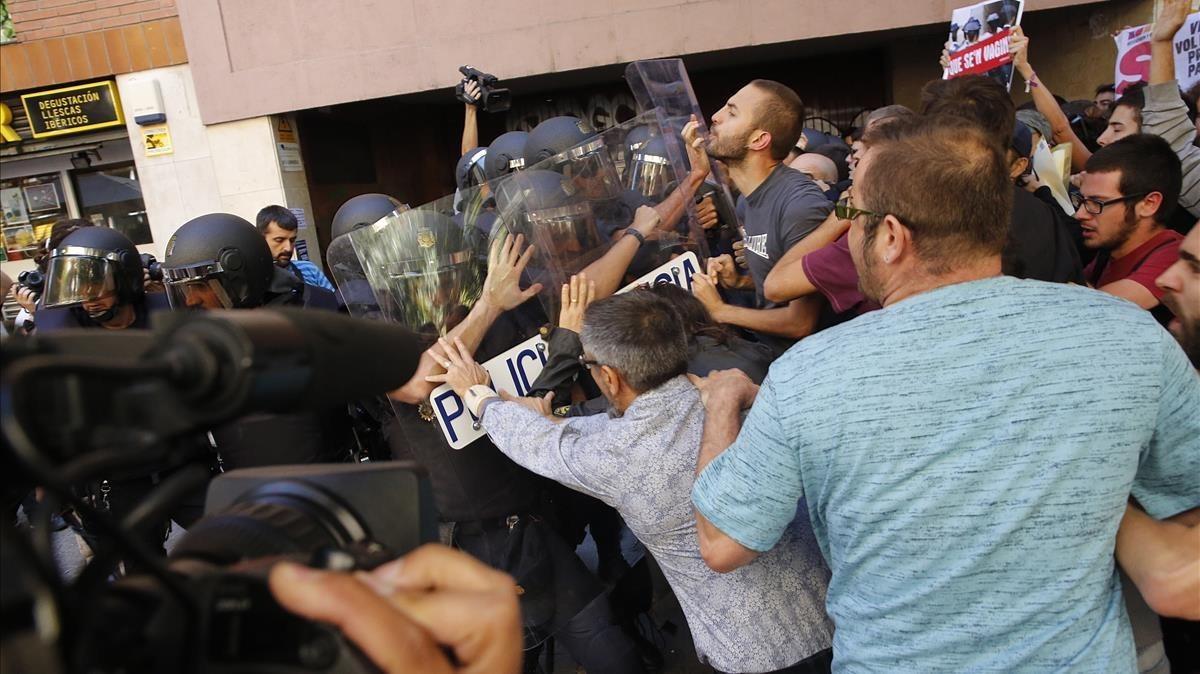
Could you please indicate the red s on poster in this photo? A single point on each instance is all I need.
(1133, 57)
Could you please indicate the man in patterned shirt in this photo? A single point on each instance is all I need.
(639, 459)
(964, 462)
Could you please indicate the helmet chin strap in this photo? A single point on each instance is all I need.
(106, 315)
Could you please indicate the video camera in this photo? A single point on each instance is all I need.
(152, 266)
(491, 98)
(33, 279)
(75, 406)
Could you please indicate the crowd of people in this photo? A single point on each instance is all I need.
(913, 414)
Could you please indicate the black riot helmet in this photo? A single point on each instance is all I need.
(505, 155)
(363, 210)
(546, 208)
(90, 264)
(217, 261)
(636, 137)
(469, 172)
(554, 136)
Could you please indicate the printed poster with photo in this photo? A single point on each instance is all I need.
(978, 43)
(12, 205)
(1133, 55)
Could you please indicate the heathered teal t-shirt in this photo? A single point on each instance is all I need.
(966, 456)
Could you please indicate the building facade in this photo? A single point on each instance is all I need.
(305, 104)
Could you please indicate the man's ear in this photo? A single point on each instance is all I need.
(1149, 205)
(896, 240)
(760, 140)
(612, 380)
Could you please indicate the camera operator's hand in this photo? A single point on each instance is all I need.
(405, 612)
(471, 89)
(576, 296)
(462, 372)
(696, 147)
(27, 298)
(506, 261)
(150, 285)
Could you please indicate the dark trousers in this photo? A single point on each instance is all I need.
(817, 663)
(560, 597)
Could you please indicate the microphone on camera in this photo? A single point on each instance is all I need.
(228, 363)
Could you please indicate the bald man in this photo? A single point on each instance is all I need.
(818, 167)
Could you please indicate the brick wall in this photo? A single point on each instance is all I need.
(40, 19)
(63, 41)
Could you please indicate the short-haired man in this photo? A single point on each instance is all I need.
(779, 206)
(280, 228)
(1106, 94)
(1129, 190)
(964, 497)
(640, 459)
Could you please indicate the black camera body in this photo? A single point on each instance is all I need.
(491, 98)
(152, 266)
(33, 279)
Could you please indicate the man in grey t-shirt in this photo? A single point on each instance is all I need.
(639, 458)
(752, 135)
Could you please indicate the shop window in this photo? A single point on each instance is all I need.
(30, 207)
(110, 196)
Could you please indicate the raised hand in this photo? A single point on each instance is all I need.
(506, 261)
(576, 296)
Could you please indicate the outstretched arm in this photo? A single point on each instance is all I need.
(1060, 126)
(501, 292)
(470, 135)
(1163, 560)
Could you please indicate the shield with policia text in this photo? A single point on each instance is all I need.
(426, 268)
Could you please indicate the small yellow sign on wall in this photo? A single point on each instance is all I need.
(156, 140)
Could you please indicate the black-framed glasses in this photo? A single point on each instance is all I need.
(1096, 206)
(845, 211)
(587, 363)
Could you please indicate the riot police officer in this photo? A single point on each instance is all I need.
(94, 280)
(505, 155)
(221, 261)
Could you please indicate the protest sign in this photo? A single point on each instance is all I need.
(1133, 55)
(978, 43)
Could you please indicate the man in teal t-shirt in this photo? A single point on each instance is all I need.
(966, 454)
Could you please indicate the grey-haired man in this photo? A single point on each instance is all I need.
(640, 459)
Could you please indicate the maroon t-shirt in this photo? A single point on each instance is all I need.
(1143, 265)
(831, 269)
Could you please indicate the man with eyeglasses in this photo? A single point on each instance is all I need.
(1129, 190)
(963, 462)
(639, 458)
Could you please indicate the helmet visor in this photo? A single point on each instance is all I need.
(196, 287)
(649, 175)
(73, 279)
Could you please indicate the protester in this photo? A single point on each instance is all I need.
(1106, 95)
(1060, 124)
(1003, 493)
(819, 168)
(640, 458)
(1180, 286)
(752, 134)
(1038, 124)
(1125, 119)
(1128, 192)
(280, 228)
(1165, 113)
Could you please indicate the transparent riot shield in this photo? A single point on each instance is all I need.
(663, 85)
(353, 287)
(575, 206)
(426, 269)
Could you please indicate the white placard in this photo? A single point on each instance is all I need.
(1133, 54)
(515, 370)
